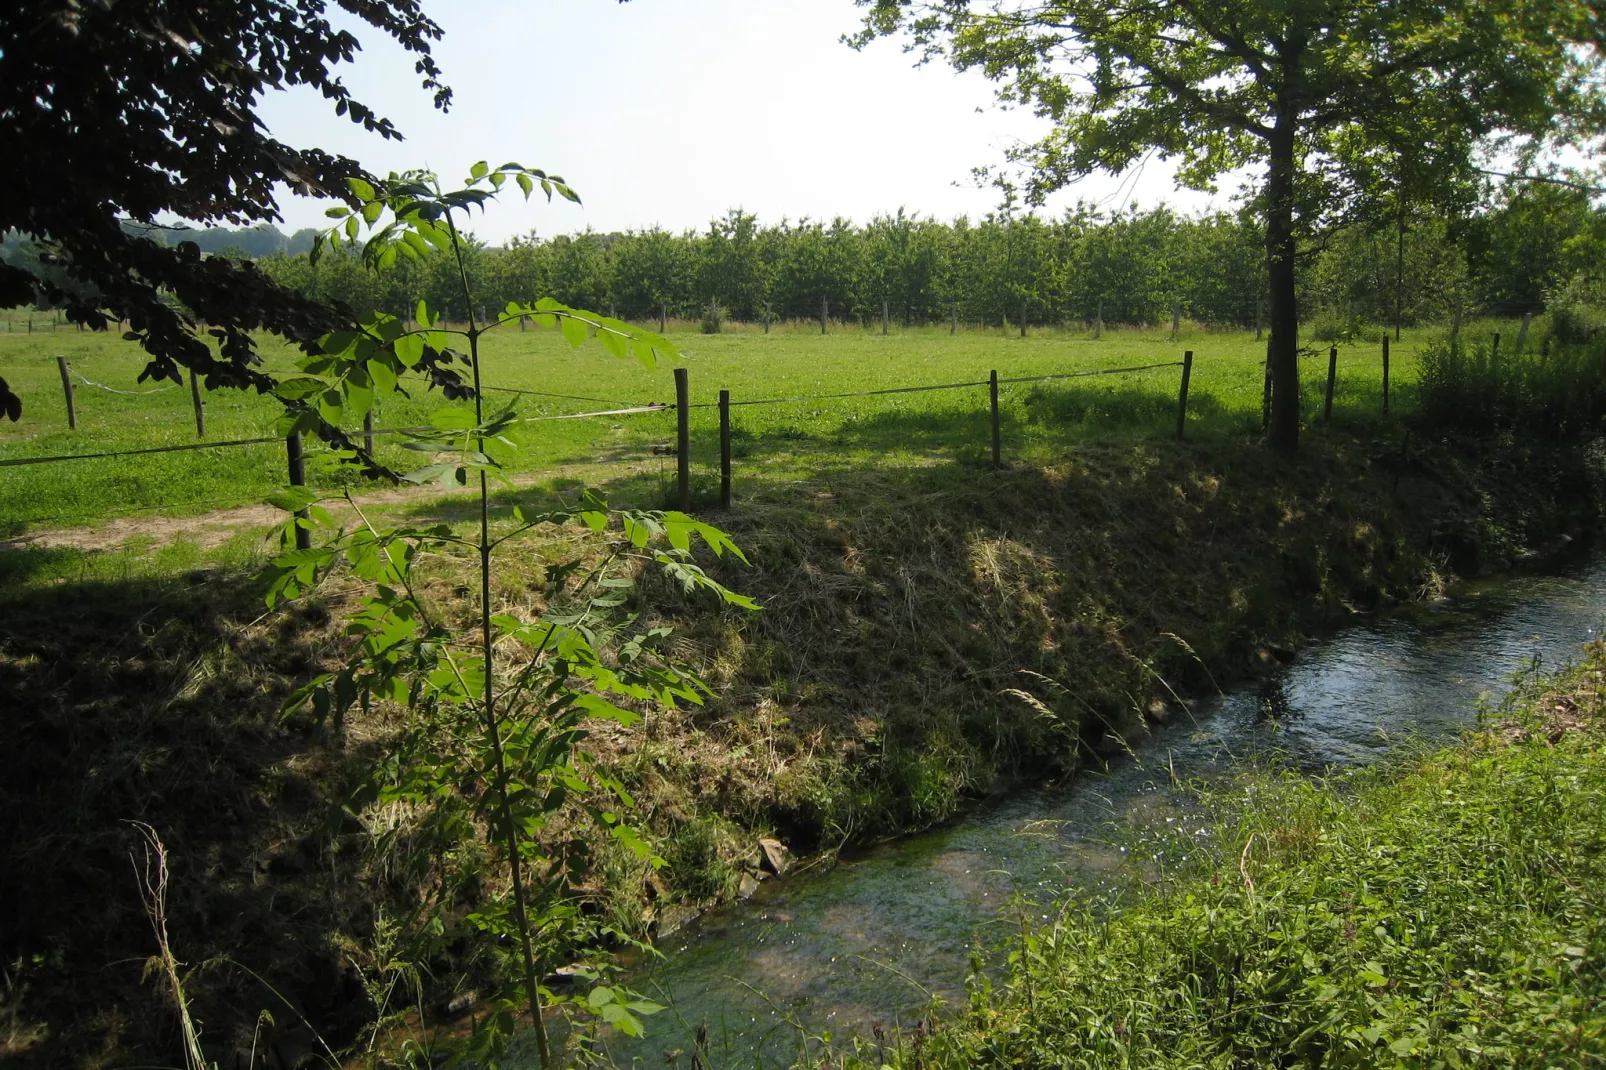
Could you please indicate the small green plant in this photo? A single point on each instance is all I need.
(492, 762)
(713, 318)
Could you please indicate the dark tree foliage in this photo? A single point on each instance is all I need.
(142, 110)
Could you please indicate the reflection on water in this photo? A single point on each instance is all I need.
(872, 941)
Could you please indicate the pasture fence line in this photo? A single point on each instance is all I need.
(295, 454)
(87, 381)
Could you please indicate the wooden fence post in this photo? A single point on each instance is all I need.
(368, 431)
(998, 445)
(724, 449)
(1176, 320)
(663, 317)
(953, 321)
(1098, 323)
(886, 317)
(825, 311)
(200, 409)
(1023, 319)
(1182, 394)
(682, 441)
(66, 387)
(1332, 375)
(298, 478)
(1455, 325)
(766, 317)
(1260, 311)
(1385, 372)
(1522, 332)
(1265, 393)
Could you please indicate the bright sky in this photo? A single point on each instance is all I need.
(670, 112)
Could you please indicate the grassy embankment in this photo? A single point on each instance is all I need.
(902, 597)
(1445, 911)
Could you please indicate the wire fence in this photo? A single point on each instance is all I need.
(295, 454)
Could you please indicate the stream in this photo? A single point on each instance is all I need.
(869, 941)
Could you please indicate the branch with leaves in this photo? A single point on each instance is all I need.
(495, 745)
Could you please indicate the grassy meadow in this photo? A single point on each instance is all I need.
(785, 441)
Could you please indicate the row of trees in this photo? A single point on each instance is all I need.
(1131, 267)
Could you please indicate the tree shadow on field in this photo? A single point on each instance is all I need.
(22, 565)
(156, 700)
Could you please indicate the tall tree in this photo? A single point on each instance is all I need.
(147, 111)
(1338, 102)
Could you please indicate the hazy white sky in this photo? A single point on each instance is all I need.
(670, 112)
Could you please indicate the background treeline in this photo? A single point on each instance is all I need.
(1514, 256)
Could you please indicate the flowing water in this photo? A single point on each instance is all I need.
(870, 941)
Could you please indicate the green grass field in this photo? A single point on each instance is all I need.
(790, 440)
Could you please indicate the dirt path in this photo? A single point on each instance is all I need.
(214, 528)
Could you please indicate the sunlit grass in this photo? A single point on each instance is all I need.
(796, 438)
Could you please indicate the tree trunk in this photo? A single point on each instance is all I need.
(1282, 349)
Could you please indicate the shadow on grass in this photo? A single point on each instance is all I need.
(155, 700)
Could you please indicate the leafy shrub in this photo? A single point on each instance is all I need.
(1577, 310)
(1552, 391)
(1341, 328)
(713, 319)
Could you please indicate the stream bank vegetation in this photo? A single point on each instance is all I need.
(866, 700)
(1447, 910)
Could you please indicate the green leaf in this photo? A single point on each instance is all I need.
(329, 405)
(383, 376)
(575, 330)
(607, 711)
(372, 211)
(409, 349)
(292, 499)
(300, 387)
(448, 418)
(421, 313)
(337, 212)
(338, 342)
(599, 997)
(361, 188)
(525, 184)
(479, 170)
(359, 397)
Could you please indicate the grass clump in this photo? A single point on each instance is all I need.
(1446, 912)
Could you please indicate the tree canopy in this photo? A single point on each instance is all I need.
(1347, 106)
(142, 112)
